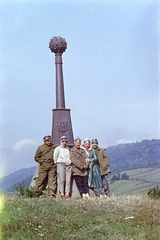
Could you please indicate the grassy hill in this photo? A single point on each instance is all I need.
(140, 181)
(119, 217)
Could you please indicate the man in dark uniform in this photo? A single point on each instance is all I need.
(104, 162)
(47, 169)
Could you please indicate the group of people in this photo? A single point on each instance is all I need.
(89, 167)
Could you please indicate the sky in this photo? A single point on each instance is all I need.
(110, 72)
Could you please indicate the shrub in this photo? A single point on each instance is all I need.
(30, 191)
(154, 192)
(24, 191)
(20, 188)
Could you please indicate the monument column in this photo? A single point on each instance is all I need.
(61, 123)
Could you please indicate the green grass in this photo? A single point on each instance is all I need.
(120, 217)
(140, 181)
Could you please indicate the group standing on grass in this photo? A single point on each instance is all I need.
(89, 167)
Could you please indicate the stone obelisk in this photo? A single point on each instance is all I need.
(61, 123)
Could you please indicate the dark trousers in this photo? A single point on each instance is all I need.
(82, 184)
(99, 191)
(105, 182)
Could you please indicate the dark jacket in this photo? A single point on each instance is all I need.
(44, 153)
(78, 161)
(103, 161)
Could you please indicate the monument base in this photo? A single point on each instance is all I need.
(61, 126)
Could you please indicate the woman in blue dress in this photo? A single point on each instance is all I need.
(94, 175)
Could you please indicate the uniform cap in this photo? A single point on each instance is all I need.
(94, 140)
(46, 138)
(64, 138)
(77, 139)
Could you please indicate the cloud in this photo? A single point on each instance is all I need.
(22, 143)
(121, 141)
(21, 155)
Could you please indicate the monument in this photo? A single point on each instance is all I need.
(61, 123)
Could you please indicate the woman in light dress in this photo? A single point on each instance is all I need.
(94, 175)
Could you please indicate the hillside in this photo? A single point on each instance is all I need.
(134, 155)
(25, 182)
(139, 182)
(8, 181)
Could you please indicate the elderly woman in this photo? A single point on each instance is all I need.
(79, 168)
(64, 168)
(94, 175)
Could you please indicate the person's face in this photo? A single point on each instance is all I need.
(77, 144)
(48, 142)
(64, 143)
(87, 145)
(95, 145)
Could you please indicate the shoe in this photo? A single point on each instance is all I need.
(63, 197)
(67, 197)
(108, 194)
(84, 196)
(105, 196)
(87, 196)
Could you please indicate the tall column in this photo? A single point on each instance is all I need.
(61, 123)
(60, 99)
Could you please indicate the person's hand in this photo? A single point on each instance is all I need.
(87, 160)
(85, 167)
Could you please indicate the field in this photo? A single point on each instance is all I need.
(140, 181)
(131, 217)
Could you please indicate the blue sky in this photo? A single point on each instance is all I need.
(110, 70)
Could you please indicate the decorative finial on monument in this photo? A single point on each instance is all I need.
(58, 45)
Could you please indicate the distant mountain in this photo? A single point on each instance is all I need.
(8, 181)
(134, 155)
(26, 182)
(123, 157)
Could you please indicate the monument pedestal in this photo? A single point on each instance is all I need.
(62, 126)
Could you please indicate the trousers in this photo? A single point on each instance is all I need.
(105, 182)
(64, 175)
(82, 184)
(99, 191)
(46, 171)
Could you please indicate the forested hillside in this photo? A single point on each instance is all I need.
(134, 155)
